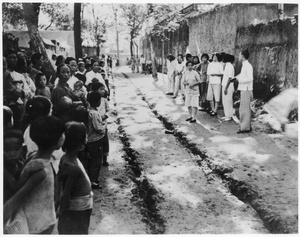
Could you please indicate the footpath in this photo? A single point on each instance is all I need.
(260, 168)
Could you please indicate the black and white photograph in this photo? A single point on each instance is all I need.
(142, 118)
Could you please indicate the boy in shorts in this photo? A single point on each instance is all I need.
(191, 80)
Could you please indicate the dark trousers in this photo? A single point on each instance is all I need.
(95, 162)
(105, 148)
(107, 84)
(143, 67)
(74, 222)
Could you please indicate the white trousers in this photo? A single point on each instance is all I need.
(171, 84)
(227, 101)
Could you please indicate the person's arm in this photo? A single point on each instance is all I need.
(30, 169)
(12, 205)
(73, 173)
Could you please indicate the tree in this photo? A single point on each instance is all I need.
(77, 30)
(168, 19)
(60, 15)
(31, 17)
(135, 15)
(13, 14)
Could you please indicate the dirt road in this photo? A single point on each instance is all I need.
(160, 183)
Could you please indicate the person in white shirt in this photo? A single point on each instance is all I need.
(214, 75)
(245, 79)
(227, 87)
(94, 73)
(191, 80)
(171, 67)
(178, 75)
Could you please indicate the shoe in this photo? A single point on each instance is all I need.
(227, 119)
(189, 119)
(243, 131)
(174, 97)
(213, 113)
(193, 121)
(105, 163)
(169, 93)
(96, 186)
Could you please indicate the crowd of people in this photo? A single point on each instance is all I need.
(203, 84)
(55, 141)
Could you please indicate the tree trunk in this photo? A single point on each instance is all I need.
(131, 47)
(116, 28)
(31, 16)
(154, 69)
(77, 30)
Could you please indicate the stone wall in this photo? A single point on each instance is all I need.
(274, 55)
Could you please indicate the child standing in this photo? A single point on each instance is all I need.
(96, 133)
(191, 80)
(103, 109)
(48, 133)
(41, 88)
(76, 199)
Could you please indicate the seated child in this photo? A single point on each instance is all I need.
(36, 196)
(76, 198)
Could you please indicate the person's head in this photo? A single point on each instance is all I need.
(244, 55)
(72, 64)
(13, 146)
(21, 66)
(189, 65)
(69, 59)
(11, 58)
(226, 58)
(217, 57)
(141, 56)
(22, 54)
(37, 107)
(54, 57)
(188, 57)
(63, 73)
(94, 98)
(95, 66)
(81, 66)
(78, 85)
(196, 60)
(60, 60)
(37, 60)
(40, 80)
(48, 133)
(204, 57)
(102, 64)
(98, 86)
(170, 57)
(179, 58)
(75, 136)
(7, 118)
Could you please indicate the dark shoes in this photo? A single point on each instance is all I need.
(243, 131)
(105, 163)
(189, 119)
(193, 121)
(169, 93)
(96, 185)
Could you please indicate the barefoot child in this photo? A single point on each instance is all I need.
(76, 199)
(36, 196)
(96, 133)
